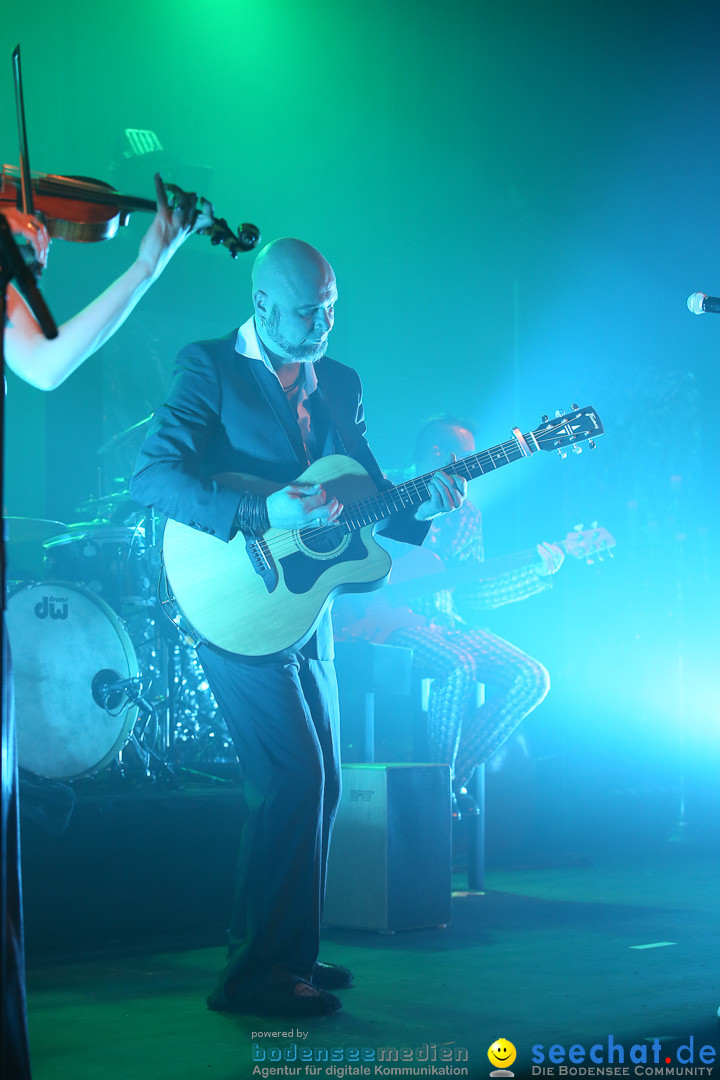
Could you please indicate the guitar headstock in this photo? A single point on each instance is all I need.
(568, 430)
(586, 543)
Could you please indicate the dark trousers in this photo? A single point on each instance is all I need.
(284, 721)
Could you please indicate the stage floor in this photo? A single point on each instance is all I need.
(576, 952)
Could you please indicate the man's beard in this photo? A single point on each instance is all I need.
(304, 353)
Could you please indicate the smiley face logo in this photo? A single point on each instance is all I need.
(502, 1053)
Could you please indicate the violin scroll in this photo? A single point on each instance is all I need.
(220, 232)
(216, 229)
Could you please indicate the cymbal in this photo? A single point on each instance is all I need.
(119, 439)
(21, 530)
(117, 507)
(104, 503)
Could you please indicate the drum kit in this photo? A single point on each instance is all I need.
(103, 680)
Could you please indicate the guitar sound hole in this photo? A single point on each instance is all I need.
(305, 567)
(322, 543)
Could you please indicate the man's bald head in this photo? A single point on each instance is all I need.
(294, 294)
(290, 264)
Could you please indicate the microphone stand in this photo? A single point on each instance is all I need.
(15, 1058)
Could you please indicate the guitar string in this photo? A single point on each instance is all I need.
(285, 543)
(373, 508)
(376, 506)
(583, 547)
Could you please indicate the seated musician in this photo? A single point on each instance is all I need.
(442, 628)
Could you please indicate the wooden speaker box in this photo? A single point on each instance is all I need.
(390, 858)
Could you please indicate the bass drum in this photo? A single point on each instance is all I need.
(68, 649)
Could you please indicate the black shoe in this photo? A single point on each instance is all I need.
(331, 977)
(292, 997)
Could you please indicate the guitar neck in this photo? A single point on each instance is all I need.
(411, 493)
(579, 544)
(504, 564)
(473, 574)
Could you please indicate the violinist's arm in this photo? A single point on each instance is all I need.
(45, 363)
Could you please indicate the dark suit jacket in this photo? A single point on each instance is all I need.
(228, 413)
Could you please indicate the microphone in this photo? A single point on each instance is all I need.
(113, 693)
(699, 303)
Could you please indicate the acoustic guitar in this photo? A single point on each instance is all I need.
(261, 594)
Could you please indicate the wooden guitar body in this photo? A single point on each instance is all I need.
(259, 595)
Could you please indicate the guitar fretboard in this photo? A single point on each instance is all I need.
(383, 504)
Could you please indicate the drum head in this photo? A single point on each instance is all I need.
(61, 638)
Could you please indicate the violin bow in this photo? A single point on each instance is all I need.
(25, 276)
(219, 232)
(25, 178)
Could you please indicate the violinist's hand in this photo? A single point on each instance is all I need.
(551, 558)
(447, 492)
(171, 227)
(30, 228)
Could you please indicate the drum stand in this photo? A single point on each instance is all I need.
(155, 765)
(176, 697)
(155, 752)
(152, 762)
(162, 644)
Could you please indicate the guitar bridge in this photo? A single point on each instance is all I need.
(259, 554)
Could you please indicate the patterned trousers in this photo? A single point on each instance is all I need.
(459, 733)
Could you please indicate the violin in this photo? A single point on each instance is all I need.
(82, 210)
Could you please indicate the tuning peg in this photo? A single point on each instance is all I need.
(562, 454)
(574, 407)
(577, 448)
(591, 444)
(558, 413)
(578, 528)
(544, 418)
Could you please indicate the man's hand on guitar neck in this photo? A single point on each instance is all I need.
(552, 557)
(299, 506)
(447, 492)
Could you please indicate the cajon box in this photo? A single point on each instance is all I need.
(390, 857)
